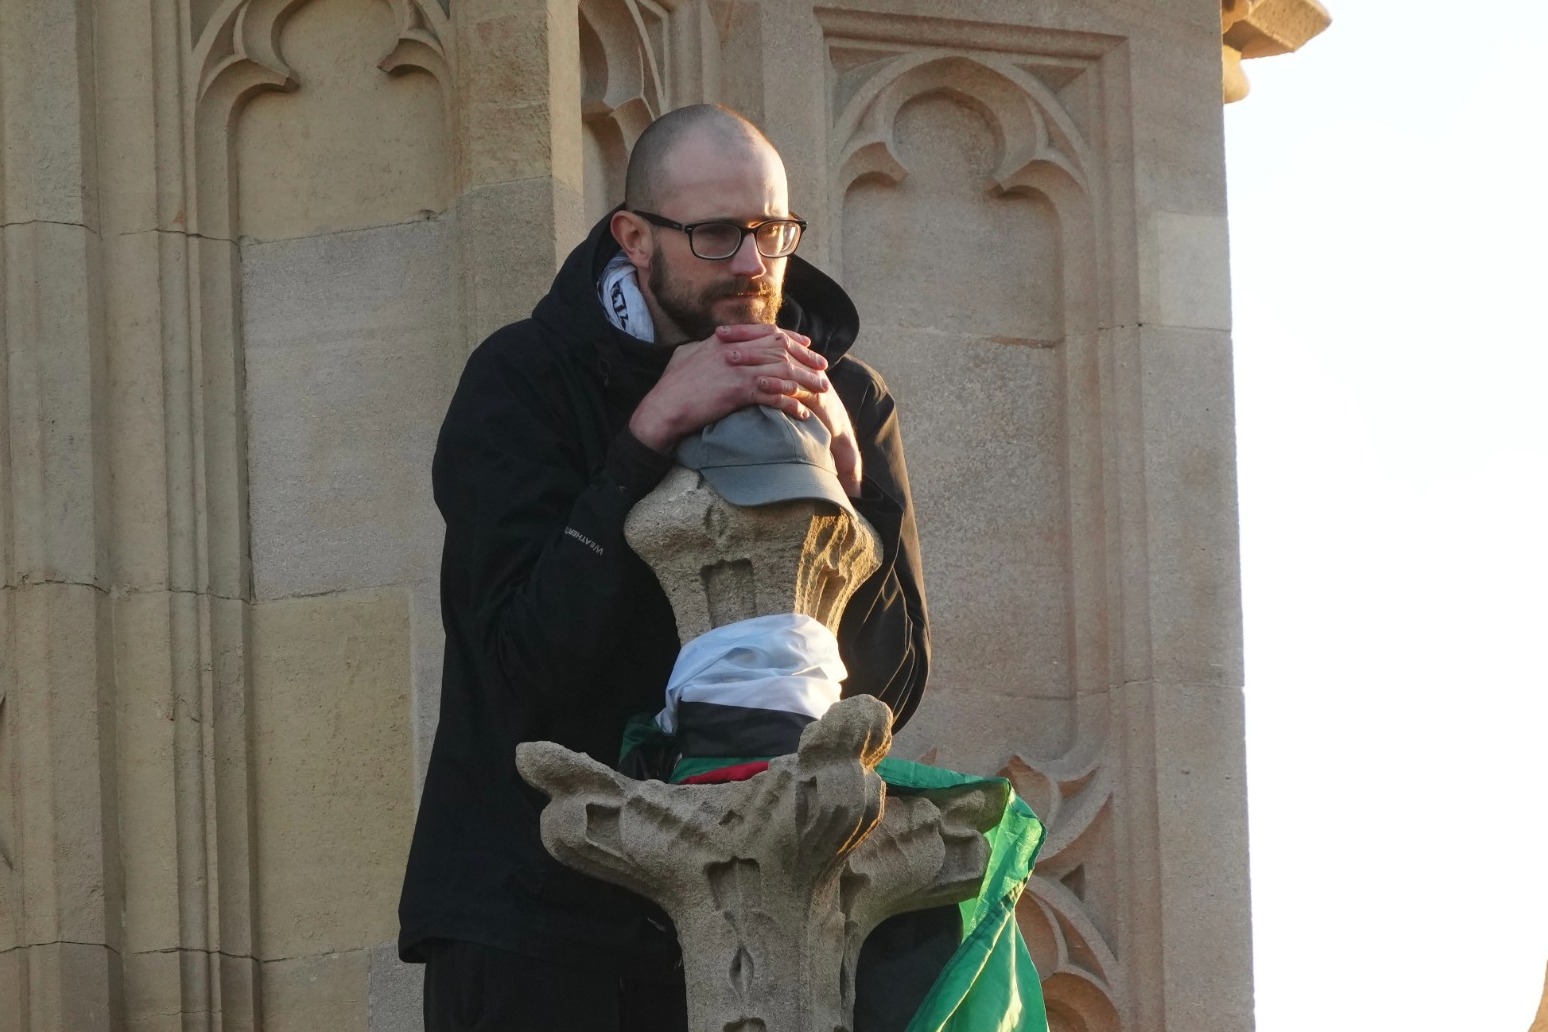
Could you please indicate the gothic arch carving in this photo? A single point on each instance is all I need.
(1041, 149)
(1035, 131)
(632, 90)
(241, 43)
(1081, 975)
(238, 55)
(624, 61)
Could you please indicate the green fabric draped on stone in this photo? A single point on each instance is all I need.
(990, 983)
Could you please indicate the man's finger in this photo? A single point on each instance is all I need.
(742, 332)
(776, 385)
(756, 353)
(846, 458)
(798, 345)
(804, 354)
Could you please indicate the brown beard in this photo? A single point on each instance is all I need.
(692, 313)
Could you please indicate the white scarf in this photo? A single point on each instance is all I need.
(619, 290)
(787, 661)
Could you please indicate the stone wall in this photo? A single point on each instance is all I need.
(246, 247)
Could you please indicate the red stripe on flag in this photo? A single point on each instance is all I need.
(736, 772)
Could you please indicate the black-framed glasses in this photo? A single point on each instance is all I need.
(716, 241)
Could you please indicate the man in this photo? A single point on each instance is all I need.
(683, 306)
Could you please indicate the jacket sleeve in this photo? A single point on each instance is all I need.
(884, 637)
(535, 569)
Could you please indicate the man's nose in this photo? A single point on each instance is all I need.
(747, 261)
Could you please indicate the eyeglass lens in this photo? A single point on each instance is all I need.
(776, 239)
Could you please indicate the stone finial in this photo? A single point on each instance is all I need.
(773, 883)
(1263, 28)
(719, 563)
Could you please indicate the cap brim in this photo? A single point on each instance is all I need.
(767, 483)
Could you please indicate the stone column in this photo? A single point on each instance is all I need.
(519, 166)
(59, 930)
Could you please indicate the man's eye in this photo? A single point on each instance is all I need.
(777, 237)
(719, 236)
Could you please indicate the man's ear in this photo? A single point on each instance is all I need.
(633, 235)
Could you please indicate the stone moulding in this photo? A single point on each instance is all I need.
(7, 865)
(773, 883)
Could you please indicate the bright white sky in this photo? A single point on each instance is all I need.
(1389, 238)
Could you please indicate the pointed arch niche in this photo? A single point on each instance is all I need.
(962, 202)
(336, 112)
(974, 215)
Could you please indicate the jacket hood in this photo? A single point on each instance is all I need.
(814, 305)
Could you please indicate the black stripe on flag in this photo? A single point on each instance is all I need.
(710, 729)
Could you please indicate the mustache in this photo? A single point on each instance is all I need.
(740, 286)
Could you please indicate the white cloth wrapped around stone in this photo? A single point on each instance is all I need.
(748, 689)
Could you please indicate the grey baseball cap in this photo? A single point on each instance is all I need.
(758, 456)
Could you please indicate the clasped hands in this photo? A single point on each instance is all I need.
(742, 365)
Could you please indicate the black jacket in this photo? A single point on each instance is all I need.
(556, 630)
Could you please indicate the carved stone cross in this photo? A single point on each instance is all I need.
(773, 882)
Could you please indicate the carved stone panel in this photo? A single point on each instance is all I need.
(951, 278)
(969, 175)
(360, 139)
(963, 193)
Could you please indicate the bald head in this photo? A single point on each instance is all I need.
(699, 127)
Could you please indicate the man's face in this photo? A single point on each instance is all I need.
(713, 179)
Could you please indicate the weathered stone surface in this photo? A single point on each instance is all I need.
(719, 563)
(334, 764)
(307, 993)
(1191, 264)
(773, 883)
(1190, 474)
(53, 370)
(50, 171)
(1201, 808)
(60, 858)
(166, 990)
(349, 368)
(64, 986)
(514, 237)
(148, 712)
